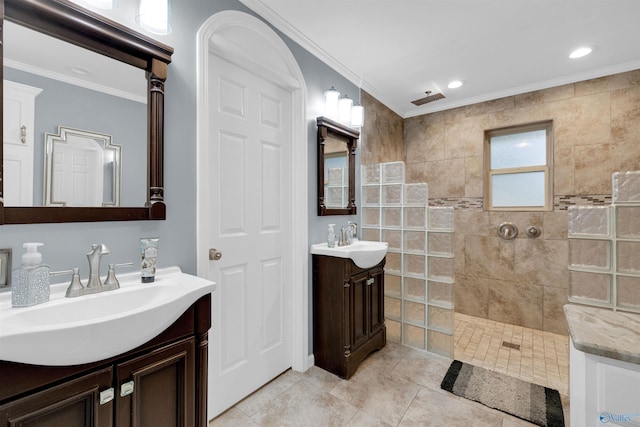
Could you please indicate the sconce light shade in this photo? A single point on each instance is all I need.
(357, 115)
(331, 103)
(153, 16)
(344, 109)
(103, 4)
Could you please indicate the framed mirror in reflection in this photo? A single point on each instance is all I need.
(336, 167)
(78, 89)
(115, 95)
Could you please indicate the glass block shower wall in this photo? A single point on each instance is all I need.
(420, 267)
(604, 249)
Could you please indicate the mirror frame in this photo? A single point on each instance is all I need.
(326, 128)
(72, 23)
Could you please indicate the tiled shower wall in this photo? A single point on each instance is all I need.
(523, 281)
(419, 268)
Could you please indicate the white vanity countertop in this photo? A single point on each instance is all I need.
(604, 332)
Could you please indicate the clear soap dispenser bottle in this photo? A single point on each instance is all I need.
(30, 280)
(331, 236)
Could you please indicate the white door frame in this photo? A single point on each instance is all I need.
(270, 58)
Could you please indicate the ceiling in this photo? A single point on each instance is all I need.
(398, 49)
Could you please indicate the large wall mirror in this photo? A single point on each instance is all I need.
(336, 168)
(87, 144)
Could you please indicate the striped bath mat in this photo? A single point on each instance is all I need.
(531, 402)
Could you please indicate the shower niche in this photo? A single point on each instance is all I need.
(419, 270)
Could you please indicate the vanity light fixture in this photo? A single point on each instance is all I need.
(331, 97)
(153, 16)
(580, 52)
(344, 109)
(454, 84)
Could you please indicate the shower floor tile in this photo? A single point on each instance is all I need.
(535, 356)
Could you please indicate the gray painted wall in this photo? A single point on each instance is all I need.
(66, 244)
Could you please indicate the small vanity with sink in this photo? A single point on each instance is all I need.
(348, 304)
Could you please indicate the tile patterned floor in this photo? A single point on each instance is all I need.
(542, 357)
(396, 386)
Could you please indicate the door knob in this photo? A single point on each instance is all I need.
(214, 254)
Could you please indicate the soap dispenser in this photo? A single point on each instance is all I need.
(331, 236)
(30, 280)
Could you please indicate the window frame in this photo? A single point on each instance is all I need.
(547, 169)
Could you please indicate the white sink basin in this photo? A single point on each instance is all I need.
(363, 253)
(70, 331)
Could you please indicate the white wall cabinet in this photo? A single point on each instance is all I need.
(19, 124)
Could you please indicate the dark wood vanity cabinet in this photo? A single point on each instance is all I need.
(348, 313)
(162, 383)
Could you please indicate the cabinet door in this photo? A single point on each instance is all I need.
(376, 298)
(359, 310)
(75, 403)
(158, 389)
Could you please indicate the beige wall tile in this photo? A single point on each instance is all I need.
(516, 303)
(473, 176)
(563, 171)
(471, 295)
(425, 143)
(445, 178)
(556, 225)
(492, 106)
(545, 95)
(554, 319)
(489, 257)
(465, 138)
(593, 169)
(472, 223)
(415, 173)
(542, 262)
(625, 113)
(621, 160)
(382, 137)
(581, 121)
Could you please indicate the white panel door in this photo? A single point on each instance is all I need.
(18, 138)
(249, 130)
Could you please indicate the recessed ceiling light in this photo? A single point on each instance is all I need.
(454, 84)
(579, 53)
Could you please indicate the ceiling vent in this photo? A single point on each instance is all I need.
(428, 98)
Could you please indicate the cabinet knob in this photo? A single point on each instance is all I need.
(126, 389)
(107, 395)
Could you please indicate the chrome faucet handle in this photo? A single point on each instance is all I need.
(111, 282)
(75, 288)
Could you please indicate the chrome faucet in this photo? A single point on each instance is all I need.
(352, 231)
(94, 257)
(344, 237)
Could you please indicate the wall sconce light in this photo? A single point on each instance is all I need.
(357, 116)
(342, 109)
(331, 103)
(153, 16)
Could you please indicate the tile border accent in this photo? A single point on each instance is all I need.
(560, 202)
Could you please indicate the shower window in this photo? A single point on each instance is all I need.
(518, 168)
